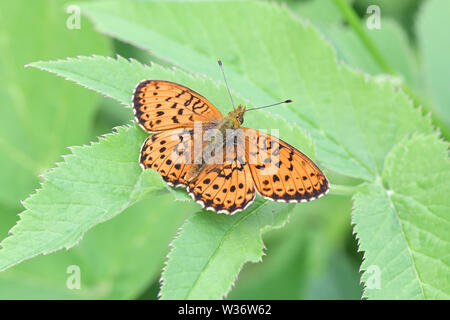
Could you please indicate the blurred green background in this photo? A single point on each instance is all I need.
(313, 257)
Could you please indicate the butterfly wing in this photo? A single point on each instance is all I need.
(163, 105)
(224, 188)
(280, 171)
(169, 153)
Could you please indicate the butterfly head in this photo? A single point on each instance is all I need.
(237, 115)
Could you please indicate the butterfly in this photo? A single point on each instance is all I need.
(222, 173)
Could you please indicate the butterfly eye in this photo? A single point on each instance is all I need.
(241, 119)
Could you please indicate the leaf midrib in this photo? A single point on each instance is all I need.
(214, 253)
(398, 219)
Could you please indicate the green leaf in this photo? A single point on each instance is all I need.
(117, 259)
(304, 258)
(432, 31)
(402, 223)
(40, 114)
(323, 13)
(92, 185)
(123, 76)
(341, 109)
(211, 250)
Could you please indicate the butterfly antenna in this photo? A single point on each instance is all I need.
(270, 105)
(226, 83)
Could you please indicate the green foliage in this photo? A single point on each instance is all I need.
(389, 50)
(27, 109)
(306, 259)
(117, 258)
(361, 127)
(390, 39)
(432, 27)
(402, 223)
(211, 249)
(77, 195)
(322, 13)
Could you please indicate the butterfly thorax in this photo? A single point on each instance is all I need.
(235, 118)
(231, 121)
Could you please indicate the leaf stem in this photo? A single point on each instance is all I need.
(341, 190)
(354, 21)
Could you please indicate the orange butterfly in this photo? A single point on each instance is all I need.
(222, 171)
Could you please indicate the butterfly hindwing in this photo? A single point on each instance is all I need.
(281, 172)
(225, 188)
(163, 105)
(169, 152)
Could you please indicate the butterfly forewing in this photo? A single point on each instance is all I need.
(163, 105)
